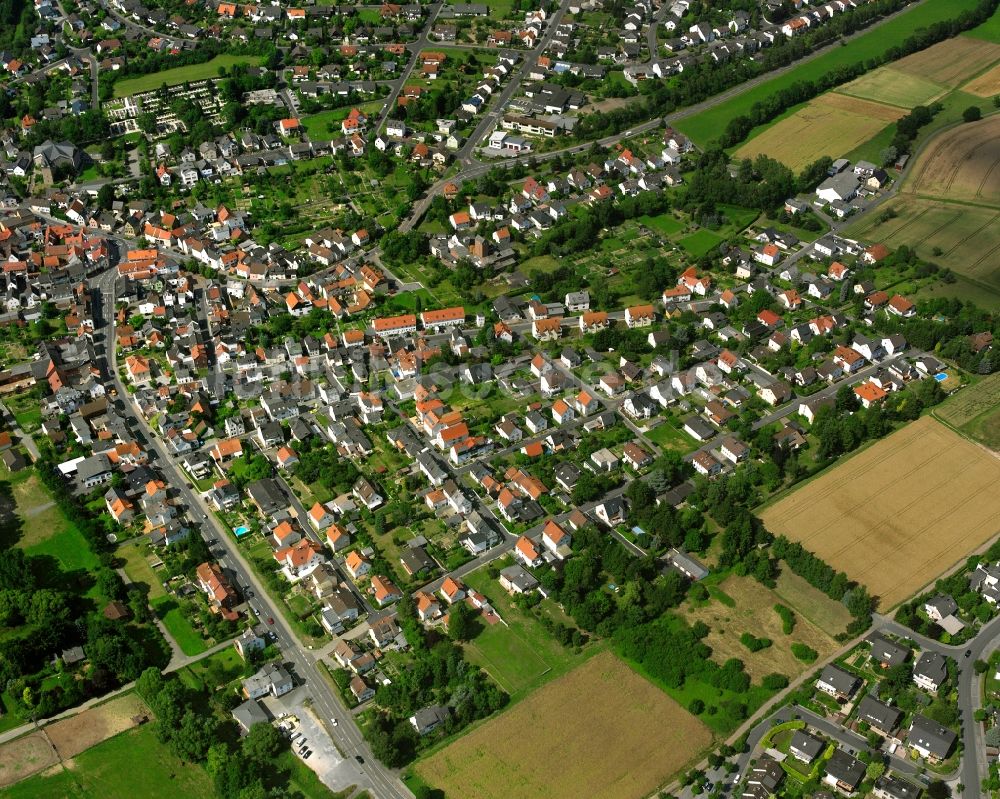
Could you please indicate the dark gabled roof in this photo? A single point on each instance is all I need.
(932, 666)
(842, 681)
(888, 652)
(806, 743)
(929, 735)
(878, 715)
(844, 768)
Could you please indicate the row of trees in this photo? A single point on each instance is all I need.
(771, 107)
(705, 79)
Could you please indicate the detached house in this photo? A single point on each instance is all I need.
(837, 683)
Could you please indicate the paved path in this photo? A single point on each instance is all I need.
(184, 660)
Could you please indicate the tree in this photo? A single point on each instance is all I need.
(194, 737)
(262, 743)
(972, 114)
(938, 789)
(462, 622)
(106, 196)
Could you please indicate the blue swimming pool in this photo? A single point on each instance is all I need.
(941, 376)
(241, 530)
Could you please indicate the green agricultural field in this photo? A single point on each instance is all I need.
(518, 652)
(129, 765)
(177, 624)
(989, 31)
(705, 126)
(178, 75)
(964, 238)
(895, 87)
(975, 411)
(700, 242)
(872, 149)
(664, 224)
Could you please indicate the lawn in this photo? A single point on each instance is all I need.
(129, 765)
(540, 263)
(700, 242)
(177, 624)
(737, 218)
(518, 653)
(138, 569)
(665, 224)
(47, 530)
(178, 75)
(324, 124)
(600, 731)
(706, 125)
(921, 499)
(213, 671)
(667, 436)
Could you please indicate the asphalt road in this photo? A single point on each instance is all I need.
(381, 781)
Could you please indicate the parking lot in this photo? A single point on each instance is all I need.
(336, 772)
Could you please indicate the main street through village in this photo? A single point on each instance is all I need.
(358, 766)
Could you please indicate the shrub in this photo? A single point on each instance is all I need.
(787, 618)
(804, 653)
(753, 643)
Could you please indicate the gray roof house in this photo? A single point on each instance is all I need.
(888, 653)
(805, 746)
(930, 671)
(930, 740)
(940, 606)
(249, 713)
(271, 679)
(428, 719)
(880, 717)
(837, 682)
(889, 786)
(844, 772)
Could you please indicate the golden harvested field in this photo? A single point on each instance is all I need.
(754, 613)
(961, 164)
(895, 87)
(601, 731)
(25, 756)
(900, 513)
(986, 85)
(80, 732)
(951, 62)
(832, 124)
